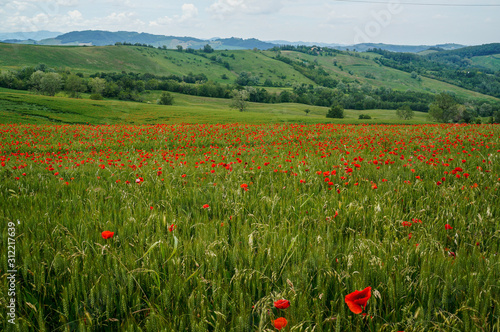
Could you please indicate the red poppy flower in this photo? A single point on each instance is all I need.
(280, 323)
(447, 227)
(206, 206)
(171, 227)
(357, 299)
(107, 235)
(282, 304)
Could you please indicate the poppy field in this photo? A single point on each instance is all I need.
(234, 227)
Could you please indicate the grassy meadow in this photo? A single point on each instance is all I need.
(25, 107)
(213, 223)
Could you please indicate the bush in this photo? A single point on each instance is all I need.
(96, 96)
(364, 117)
(166, 99)
(336, 111)
(404, 112)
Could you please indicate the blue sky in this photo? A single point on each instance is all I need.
(330, 21)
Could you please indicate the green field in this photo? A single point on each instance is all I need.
(490, 61)
(24, 107)
(204, 227)
(134, 216)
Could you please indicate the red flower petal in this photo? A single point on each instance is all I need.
(282, 304)
(107, 235)
(357, 299)
(280, 323)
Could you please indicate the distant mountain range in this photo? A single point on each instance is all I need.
(102, 38)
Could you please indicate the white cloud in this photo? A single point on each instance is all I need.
(223, 8)
(72, 20)
(68, 3)
(189, 11)
(189, 14)
(17, 5)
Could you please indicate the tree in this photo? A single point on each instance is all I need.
(239, 101)
(405, 112)
(179, 48)
(485, 110)
(50, 84)
(6, 78)
(444, 107)
(166, 99)
(208, 49)
(97, 85)
(336, 111)
(307, 111)
(36, 80)
(74, 86)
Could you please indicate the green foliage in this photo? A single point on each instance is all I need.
(240, 100)
(336, 111)
(96, 96)
(166, 99)
(453, 66)
(364, 117)
(444, 108)
(45, 83)
(208, 49)
(405, 112)
(74, 86)
(97, 85)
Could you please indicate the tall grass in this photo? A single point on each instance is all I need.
(220, 268)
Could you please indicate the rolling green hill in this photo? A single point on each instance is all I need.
(488, 61)
(24, 107)
(349, 67)
(355, 80)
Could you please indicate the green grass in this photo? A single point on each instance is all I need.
(308, 229)
(490, 61)
(24, 107)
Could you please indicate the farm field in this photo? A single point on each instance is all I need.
(206, 227)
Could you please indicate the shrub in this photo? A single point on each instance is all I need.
(166, 99)
(96, 96)
(336, 111)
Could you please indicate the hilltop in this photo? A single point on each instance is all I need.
(106, 38)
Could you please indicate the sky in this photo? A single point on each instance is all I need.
(404, 22)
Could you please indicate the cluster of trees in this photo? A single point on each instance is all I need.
(446, 108)
(310, 70)
(43, 80)
(311, 50)
(451, 67)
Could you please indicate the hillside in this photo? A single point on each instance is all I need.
(22, 107)
(342, 66)
(301, 75)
